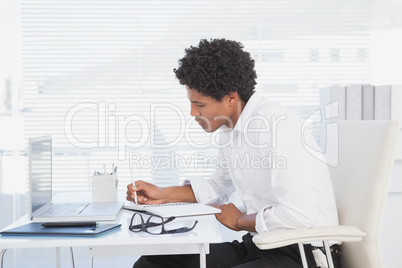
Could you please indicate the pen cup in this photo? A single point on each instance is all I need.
(104, 187)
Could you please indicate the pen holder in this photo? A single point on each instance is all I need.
(104, 187)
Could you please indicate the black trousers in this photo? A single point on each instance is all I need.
(239, 255)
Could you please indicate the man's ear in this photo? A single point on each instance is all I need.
(233, 97)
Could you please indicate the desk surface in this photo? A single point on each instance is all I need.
(207, 231)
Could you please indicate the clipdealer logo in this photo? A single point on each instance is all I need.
(112, 133)
(329, 153)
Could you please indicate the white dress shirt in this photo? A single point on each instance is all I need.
(264, 159)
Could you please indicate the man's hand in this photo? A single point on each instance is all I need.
(234, 219)
(147, 193)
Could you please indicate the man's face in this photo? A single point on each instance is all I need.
(208, 112)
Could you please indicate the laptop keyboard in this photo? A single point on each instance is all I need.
(65, 209)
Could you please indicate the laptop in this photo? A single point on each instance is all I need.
(41, 207)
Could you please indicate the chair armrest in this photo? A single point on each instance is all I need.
(281, 238)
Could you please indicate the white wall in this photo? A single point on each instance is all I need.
(391, 235)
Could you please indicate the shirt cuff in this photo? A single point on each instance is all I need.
(203, 191)
(260, 225)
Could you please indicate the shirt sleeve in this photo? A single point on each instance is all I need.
(214, 190)
(279, 217)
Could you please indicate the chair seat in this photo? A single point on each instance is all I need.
(282, 238)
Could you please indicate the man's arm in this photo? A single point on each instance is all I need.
(234, 219)
(148, 193)
(178, 194)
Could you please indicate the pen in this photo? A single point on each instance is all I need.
(135, 192)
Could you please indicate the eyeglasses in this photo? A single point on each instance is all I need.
(155, 225)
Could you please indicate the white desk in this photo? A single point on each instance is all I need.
(123, 241)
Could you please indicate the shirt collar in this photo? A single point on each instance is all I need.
(247, 112)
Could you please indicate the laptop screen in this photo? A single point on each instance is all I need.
(40, 171)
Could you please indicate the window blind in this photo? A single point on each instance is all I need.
(97, 75)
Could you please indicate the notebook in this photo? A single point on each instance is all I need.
(37, 229)
(173, 209)
(41, 207)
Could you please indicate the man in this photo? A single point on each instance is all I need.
(281, 184)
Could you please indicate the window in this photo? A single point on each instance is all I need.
(97, 75)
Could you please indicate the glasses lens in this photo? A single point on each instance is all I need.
(137, 223)
(154, 225)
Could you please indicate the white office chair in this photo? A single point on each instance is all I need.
(361, 180)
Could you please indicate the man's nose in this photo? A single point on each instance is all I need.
(194, 111)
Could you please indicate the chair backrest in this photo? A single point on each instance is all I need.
(361, 182)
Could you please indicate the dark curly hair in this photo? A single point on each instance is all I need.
(217, 67)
